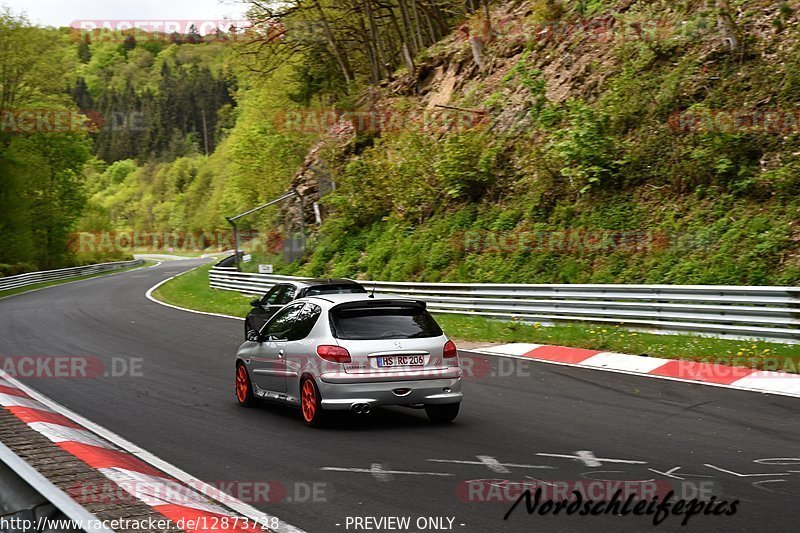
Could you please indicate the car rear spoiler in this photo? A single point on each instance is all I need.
(372, 304)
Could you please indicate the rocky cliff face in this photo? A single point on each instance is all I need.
(639, 65)
(314, 179)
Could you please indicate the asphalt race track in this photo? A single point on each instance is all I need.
(521, 421)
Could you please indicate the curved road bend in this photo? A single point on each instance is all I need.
(529, 424)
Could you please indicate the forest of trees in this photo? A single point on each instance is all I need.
(154, 103)
(71, 107)
(40, 173)
(179, 129)
(362, 40)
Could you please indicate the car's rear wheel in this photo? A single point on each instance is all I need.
(311, 403)
(442, 414)
(244, 389)
(248, 327)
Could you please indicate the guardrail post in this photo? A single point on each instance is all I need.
(235, 227)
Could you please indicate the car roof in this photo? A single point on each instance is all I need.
(319, 282)
(331, 281)
(331, 300)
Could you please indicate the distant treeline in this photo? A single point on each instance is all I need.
(153, 101)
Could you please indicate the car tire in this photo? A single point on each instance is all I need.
(311, 404)
(244, 388)
(248, 327)
(442, 414)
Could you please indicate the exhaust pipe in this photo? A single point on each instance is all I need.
(361, 408)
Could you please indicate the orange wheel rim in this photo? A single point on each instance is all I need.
(309, 401)
(241, 384)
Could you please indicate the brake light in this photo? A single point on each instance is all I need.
(450, 350)
(334, 354)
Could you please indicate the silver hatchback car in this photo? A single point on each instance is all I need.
(351, 352)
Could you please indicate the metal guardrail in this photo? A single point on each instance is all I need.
(27, 497)
(769, 313)
(32, 278)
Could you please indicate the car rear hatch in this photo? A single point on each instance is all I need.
(389, 337)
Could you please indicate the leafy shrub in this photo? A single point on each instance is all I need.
(586, 152)
(16, 269)
(465, 167)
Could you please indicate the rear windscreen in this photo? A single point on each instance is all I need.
(335, 289)
(384, 323)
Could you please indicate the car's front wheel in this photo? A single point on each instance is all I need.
(443, 413)
(311, 403)
(244, 389)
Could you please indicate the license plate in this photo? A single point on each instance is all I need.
(401, 360)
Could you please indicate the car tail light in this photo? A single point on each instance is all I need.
(450, 350)
(334, 354)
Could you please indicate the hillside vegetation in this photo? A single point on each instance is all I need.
(537, 141)
(631, 143)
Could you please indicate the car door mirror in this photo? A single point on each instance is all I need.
(255, 303)
(253, 336)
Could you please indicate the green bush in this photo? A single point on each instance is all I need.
(16, 269)
(465, 166)
(584, 149)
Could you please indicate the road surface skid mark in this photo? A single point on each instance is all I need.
(137, 479)
(733, 377)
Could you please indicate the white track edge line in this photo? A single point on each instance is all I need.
(149, 295)
(240, 507)
(630, 373)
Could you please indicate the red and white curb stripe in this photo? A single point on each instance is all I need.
(739, 378)
(163, 487)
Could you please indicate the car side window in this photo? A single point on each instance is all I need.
(280, 327)
(287, 296)
(305, 322)
(272, 297)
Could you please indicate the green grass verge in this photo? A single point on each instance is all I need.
(37, 286)
(191, 291)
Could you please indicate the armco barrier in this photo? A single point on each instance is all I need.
(770, 313)
(27, 497)
(32, 278)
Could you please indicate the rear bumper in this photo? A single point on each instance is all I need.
(342, 396)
